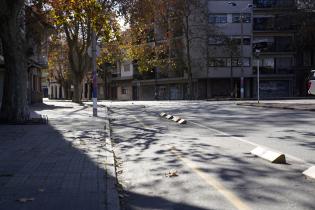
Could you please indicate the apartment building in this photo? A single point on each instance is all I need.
(122, 82)
(229, 72)
(166, 82)
(224, 37)
(273, 36)
(266, 28)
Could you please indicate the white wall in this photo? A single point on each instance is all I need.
(126, 69)
(124, 97)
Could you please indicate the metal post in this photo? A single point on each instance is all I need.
(242, 55)
(94, 74)
(258, 81)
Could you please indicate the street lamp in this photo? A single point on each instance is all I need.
(242, 43)
(257, 53)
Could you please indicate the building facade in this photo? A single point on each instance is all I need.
(273, 35)
(36, 30)
(223, 39)
(229, 72)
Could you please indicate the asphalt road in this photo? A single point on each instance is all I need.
(211, 156)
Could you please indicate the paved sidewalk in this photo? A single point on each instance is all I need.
(62, 165)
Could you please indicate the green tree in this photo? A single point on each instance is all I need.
(77, 20)
(58, 66)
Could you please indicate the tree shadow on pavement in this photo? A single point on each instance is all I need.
(58, 167)
(258, 183)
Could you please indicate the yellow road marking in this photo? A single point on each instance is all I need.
(230, 196)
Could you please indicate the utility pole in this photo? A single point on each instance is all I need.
(242, 55)
(258, 75)
(94, 74)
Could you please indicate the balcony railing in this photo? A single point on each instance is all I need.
(264, 70)
(42, 61)
(274, 3)
(263, 47)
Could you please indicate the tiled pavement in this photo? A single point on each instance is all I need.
(57, 166)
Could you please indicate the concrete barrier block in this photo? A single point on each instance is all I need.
(182, 121)
(310, 172)
(176, 119)
(169, 117)
(271, 156)
(163, 114)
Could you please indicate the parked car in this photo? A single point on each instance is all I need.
(311, 83)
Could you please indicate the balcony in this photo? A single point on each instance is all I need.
(265, 70)
(274, 4)
(280, 23)
(39, 61)
(42, 61)
(272, 48)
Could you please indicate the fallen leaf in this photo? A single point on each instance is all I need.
(171, 174)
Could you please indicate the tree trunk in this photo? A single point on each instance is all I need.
(77, 92)
(14, 103)
(66, 90)
(189, 70)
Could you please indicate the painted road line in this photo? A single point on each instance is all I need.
(211, 181)
(249, 142)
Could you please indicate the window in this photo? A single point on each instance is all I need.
(307, 58)
(237, 62)
(216, 40)
(267, 65)
(246, 40)
(124, 91)
(217, 18)
(218, 62)
(226, 62)
(236, 18)
(126, 67)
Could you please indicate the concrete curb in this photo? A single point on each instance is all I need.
(112, 197)
(271, 156)
(310, 172)
(275, 107)
(178, 120)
